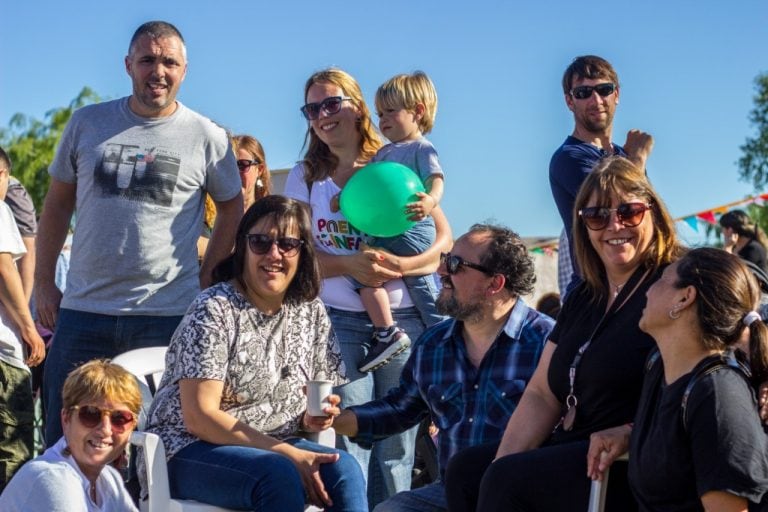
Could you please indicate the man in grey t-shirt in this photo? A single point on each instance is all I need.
(136, 170)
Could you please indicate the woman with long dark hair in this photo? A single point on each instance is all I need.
(743, 237)
(230, 405)
(697, 442)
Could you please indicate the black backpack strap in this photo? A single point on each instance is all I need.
(727, 360)
(652, 358)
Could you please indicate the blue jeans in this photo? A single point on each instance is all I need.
(387, 467)
(80, 337)
(430, 498)
(422, 289)
(247, 478)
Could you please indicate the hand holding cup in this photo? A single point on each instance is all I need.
(322, 406)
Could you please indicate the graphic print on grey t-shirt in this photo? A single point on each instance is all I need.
(144, 175)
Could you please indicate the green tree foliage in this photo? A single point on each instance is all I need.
(31, 143)
(753, 164)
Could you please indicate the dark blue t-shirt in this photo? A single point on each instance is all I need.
(568, 168)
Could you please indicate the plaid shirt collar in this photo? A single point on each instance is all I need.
(512, 328)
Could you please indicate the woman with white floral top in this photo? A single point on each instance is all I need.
(230, 402)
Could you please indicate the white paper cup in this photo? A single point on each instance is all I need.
(317, 396)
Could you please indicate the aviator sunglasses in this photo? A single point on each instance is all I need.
(583, 92)
(454, 263)
(262, 244)
(330, 106)
(628, 214)
(244, 165)
(90, 416)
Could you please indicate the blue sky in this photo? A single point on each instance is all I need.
(686, 70)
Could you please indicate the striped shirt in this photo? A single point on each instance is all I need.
(469, 405)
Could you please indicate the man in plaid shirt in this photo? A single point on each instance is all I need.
(468, 372)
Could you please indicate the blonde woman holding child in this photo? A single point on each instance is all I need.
(406, 106)
(341, 140)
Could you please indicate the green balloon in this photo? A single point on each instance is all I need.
(374, 198)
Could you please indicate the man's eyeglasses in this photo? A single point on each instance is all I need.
(583, 92)
(244, 165)
(90, 416)
(262, 244)
(454, 263)
(628, 214)
(330, 106)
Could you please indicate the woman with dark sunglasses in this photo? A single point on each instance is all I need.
(101, 402)
(340, 140)
(591, 370)
(252, 164)
(230, 404)
(255, 177)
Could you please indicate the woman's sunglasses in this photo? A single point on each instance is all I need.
(244, 165)
(90, 416)
(583, 92)
(628, 214)
(262, 244)
(330, 106)
(454, 263)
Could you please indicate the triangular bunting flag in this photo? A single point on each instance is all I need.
(707, 217)
(691, 221)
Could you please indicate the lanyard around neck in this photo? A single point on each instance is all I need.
(618, 303)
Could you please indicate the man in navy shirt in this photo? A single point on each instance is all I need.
(591, 89)
(468, 372)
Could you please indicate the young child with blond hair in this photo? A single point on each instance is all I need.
(406, 106)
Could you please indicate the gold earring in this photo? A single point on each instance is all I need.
(674, 313)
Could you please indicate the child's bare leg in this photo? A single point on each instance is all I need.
(376, 303)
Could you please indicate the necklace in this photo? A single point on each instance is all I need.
(616, 288)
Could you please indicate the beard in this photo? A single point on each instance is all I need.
(447, 304)
(599, 126)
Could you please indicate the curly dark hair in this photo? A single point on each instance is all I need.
(284, 214)
(507, 255)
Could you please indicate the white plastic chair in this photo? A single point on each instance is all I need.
(159, 499)
(147, 365)
(599, 489)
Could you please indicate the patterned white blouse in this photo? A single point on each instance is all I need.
(258, 357)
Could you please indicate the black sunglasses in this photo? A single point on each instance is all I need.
(330, 106)
(583, 92)
(628, 214)
(454, 263)
(246, 164)
(90, 416)
(262, 244)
